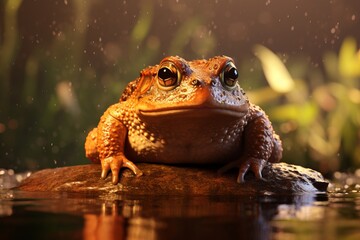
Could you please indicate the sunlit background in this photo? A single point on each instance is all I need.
(62, 63)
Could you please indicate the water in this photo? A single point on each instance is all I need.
(335, 215)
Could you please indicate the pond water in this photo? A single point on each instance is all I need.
(332, 215)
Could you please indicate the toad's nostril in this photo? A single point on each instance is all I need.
(196, 82)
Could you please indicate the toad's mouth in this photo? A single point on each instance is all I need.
(237, 112)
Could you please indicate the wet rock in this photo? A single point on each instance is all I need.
(279, 178)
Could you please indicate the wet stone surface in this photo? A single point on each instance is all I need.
(279, 178)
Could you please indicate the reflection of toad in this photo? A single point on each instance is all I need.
(107, 225)
(184, 112)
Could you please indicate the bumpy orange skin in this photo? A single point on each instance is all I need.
(200, 117)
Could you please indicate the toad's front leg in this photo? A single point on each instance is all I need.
(260, 144)
(109, 138)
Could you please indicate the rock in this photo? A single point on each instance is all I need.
(278, 178)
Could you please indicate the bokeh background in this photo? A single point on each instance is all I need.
(63, 62)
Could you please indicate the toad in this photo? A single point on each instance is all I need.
(184, 112)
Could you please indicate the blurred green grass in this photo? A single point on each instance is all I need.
(317, 113)
(46, 113)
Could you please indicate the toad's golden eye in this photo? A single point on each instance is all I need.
(229, 75)
(168, 76)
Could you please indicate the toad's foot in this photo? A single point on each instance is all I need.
(254, 164)
(115, 163)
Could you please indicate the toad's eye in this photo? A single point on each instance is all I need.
(168, 76)
(229, 75)
(165, 73)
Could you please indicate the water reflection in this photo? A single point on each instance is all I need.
(320, 220)
(303, 213)
(59, 215)
(103, 227)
